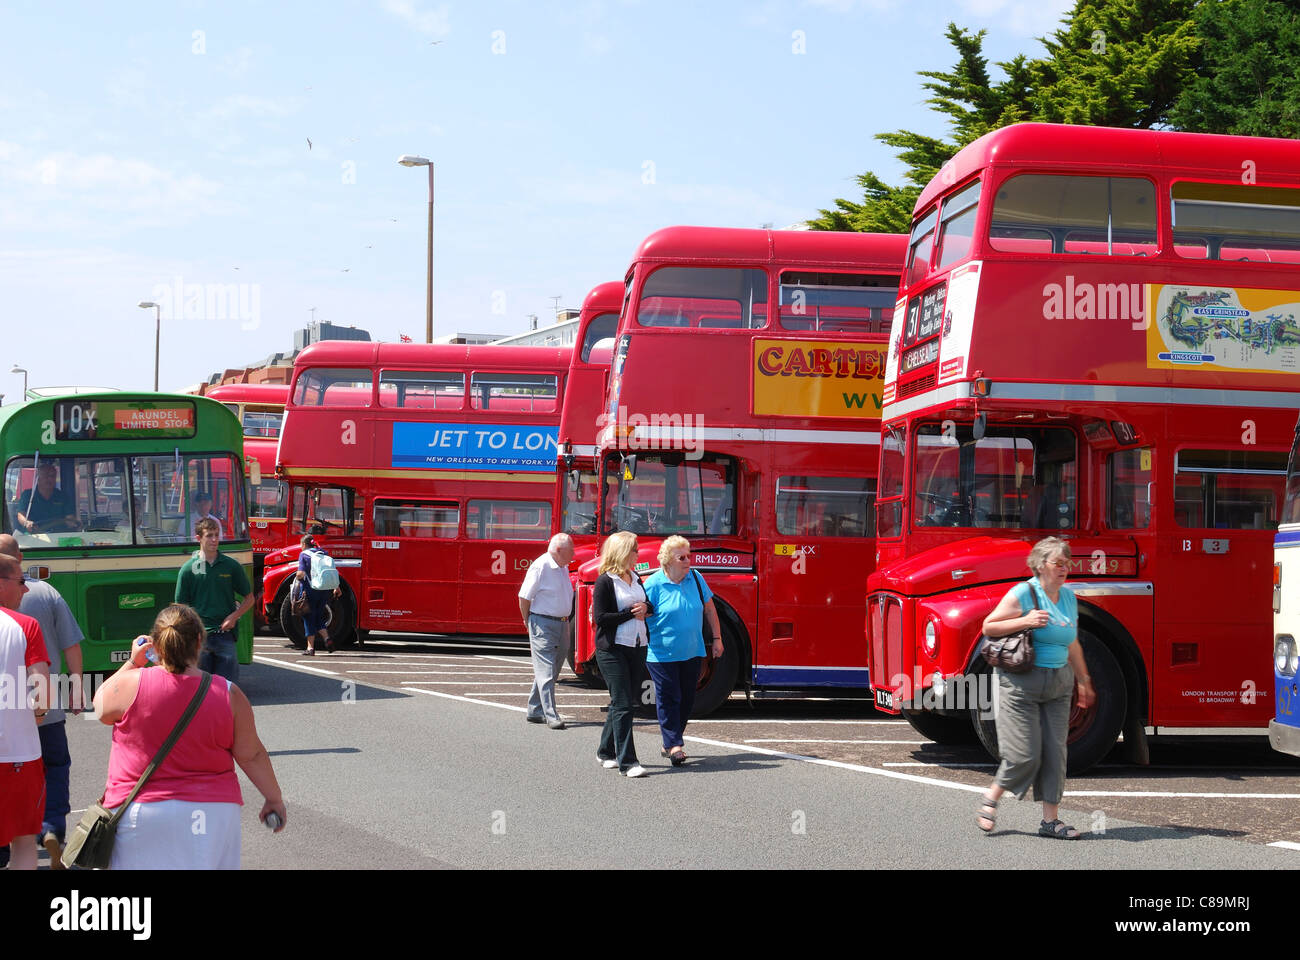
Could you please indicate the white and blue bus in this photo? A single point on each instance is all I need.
(1284, 728)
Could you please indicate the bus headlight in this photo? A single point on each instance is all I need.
(931, 638)
(1286, 657)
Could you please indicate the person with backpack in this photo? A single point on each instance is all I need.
(317, 581)
(683, 604)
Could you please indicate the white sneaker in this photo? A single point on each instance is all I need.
(608, 764)
(637, 771)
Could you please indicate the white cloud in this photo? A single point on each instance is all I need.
(65, 190)
(243, 105)
(236, 64)
(432, 23)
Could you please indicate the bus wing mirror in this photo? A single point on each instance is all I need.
(575, 485)
(979, 427)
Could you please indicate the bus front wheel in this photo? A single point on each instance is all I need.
(340, 623)
(943, 729)
(1093, 731)
(717, 674)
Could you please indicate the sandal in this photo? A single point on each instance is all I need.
(1057, 830)
(676, 755)
(988, 810)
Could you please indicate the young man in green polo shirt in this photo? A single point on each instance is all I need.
(209, 582)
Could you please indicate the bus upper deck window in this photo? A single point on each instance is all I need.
(1229, 221)
(1111, 216)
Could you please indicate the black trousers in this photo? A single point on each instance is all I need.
(620, 667)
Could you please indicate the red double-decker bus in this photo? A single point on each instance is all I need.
(584, 402)
(1099, 342)
(742, 413)
(428, 473)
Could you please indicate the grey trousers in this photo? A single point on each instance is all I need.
(549, 639)
(1033, 720)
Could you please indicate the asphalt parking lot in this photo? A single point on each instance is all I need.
(1229, 787)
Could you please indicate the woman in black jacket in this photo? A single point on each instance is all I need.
(619, 609)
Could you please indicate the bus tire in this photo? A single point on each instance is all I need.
(1093, 732)
(590, 675)
(943, 729)
(340, 622)
(718, 676)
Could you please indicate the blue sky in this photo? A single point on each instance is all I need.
(147, 148)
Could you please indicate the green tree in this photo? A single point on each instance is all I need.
(1116, 63)
(1246, 80)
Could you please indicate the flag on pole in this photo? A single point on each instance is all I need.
(404, 338)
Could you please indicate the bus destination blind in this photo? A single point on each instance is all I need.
(121, 420)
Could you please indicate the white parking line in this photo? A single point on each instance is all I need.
(566, 694)
(1284, 844)
(438, 673)
(295, 666)
(917, 763)
(890, 723)
(915, 743)
(465, 683)
(1189, 796)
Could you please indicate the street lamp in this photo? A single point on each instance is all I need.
(409, 160)
(157, 335)
(18, 369)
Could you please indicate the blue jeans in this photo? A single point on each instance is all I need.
(675, 684)
(218, 656)
(58, 765)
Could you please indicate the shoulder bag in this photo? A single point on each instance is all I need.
(90, 842)
(298, 604)
(705, 627)
(1013, 653)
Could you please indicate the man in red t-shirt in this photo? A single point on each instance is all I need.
(22, 778)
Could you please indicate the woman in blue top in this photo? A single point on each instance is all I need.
(680, 600)
(1033, 715)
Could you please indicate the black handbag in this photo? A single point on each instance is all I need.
(706, 628)
(90, 842)
(1013, 653)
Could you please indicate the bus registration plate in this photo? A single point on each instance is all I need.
(118, 656)
(885, 698)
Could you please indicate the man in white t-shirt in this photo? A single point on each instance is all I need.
(22, 777)
(546, 604)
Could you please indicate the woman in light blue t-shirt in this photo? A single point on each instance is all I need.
(681, 601)
(1033, 717)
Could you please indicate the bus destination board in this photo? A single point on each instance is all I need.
(123, 419)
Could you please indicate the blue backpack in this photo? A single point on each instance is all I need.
(323, 574)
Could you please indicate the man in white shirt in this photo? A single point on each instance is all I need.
(546, 604)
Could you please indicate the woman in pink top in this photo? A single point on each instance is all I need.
(187, 815)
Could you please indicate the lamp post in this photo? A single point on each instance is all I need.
(157, 336)
(409, 160)
(18, 369)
